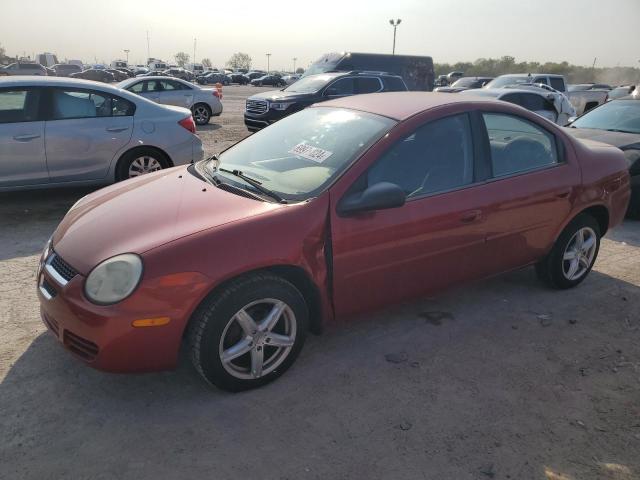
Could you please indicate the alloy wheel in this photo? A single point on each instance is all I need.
(257, 339)
(143, 165)
(579, 254)
(201, 114)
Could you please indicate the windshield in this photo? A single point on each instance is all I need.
(309, 84)
(298, 156)
(617, 115)
(507, 80)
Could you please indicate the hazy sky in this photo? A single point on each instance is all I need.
(448, 30)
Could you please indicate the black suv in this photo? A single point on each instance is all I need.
(266, 108)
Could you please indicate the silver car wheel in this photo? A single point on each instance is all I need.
(257, 339)
(579, 254)
(144, 165)
(201, 114)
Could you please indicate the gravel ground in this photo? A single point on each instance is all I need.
(505, 379)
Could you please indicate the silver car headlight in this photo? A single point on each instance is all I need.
(114, 279)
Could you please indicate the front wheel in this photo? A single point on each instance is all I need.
(248, 334)
(573, 255)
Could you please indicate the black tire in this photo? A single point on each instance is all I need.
(203, 114)
(215, 317)
(633, 211)
(126, 161)
(551, 269)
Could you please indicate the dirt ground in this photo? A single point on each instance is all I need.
(505, 380)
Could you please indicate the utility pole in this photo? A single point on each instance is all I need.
(148, 49)
(394, 24)
(268, 55)
(126, 50)
(194, 50)
(294, 64)
(594, 62)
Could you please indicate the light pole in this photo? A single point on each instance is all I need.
(127, 52)
(294, 64)
(194, 51)
(268, 55)
(394, 24)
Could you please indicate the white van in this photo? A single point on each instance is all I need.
(157, 66)
(119, 64)
(195, 68)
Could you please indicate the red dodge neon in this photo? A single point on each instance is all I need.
(347, 206)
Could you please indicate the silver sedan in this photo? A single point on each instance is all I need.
(61, 131)
(203, 102)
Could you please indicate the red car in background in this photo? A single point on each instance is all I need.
(341, 208)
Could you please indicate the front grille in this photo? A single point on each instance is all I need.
(80, 346)
(47, 287)
(61, 267)
(257, 107)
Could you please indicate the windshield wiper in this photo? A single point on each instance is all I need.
(254, 183)
(617, 130)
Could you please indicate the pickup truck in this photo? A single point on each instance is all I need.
(582, 100)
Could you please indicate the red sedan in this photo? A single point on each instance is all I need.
(341, 208)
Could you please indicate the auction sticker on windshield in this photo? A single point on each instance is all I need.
(309, 152)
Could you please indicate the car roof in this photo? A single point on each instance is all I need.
(555, 75)
(400, 105)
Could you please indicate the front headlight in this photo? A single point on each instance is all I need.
(114, 279)
(279, 105)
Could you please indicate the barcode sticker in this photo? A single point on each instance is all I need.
(309, 152)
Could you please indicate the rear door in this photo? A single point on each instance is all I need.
(84, 131)
(176, 93)
(531, 189)
(152, 89)
(22, 153)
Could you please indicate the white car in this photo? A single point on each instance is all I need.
(203, 103)
(61, 131)
(543, 100)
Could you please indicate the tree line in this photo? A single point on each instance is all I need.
(492, 67)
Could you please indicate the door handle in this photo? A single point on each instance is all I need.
(117, 129)
(564, 193)
(470, 216)
(26, 137)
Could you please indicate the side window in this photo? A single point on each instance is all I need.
(518, 145)
(20, 105)
(541, 80)
(121, 107)
(394, 84)
(344, 86)
(153, 86)
(437, 157)
(513, 98)
(168, 85)
(533, 102)
(137, 87)
(557, 83)
(80, 104)
(368, 85)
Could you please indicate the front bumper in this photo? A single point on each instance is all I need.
(258, 122)
(103, 336)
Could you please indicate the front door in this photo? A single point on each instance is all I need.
(437, 238)
(22, 153)
(84, 132)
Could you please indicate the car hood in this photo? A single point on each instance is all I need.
(617, 139)
(274, 95)
(140, 214)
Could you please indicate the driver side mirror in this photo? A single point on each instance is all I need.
(379, 196)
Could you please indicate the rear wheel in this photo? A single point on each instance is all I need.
(140, 162)
(201, 113)
(573, 254)
(248, 334)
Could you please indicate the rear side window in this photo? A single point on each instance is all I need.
(170, 85)
(68, 104)
(344, 86)
(19, 105)
(368, 85)
(557, 83)
(535, 103)
(394, 84)
(540, 80)
(518, 145)
(137, 87)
